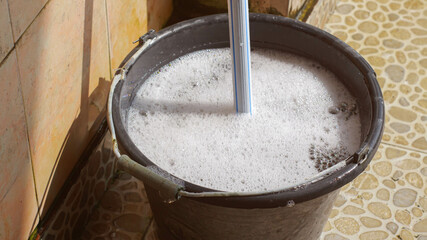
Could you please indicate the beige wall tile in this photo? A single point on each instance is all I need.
(127, 21)
(62, 56)
(23, 13)
(158, 12)
(18, 205)
(6, 40)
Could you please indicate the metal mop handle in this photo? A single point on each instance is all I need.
(240, 49)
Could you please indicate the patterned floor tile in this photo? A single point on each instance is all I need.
(123, 213)
(387, 201)
(392, 36)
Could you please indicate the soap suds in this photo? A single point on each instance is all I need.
(304, 121)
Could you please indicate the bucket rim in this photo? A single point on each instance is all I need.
(298, 193)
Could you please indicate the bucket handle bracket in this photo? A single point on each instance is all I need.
(361, 156)
(149, 35)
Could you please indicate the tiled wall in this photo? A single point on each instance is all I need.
(56, 61)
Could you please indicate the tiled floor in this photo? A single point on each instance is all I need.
(123, 213)
(389, 200)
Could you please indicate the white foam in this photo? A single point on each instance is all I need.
(183, 119)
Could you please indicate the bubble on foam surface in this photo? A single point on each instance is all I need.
(183, 119)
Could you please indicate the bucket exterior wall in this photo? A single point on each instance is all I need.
(189, 219)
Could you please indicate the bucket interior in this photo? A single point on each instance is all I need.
(266, 31)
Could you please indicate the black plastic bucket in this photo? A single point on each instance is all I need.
(195, 212)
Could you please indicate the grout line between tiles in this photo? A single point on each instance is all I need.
(108, 39)
(6, 56)
(27, 133)
(37, 217)
(10, 23)
(403, 147)
(11, 32)
(31, 23)
(28, 144)
(25, 109)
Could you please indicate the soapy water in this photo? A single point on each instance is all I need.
(304, 121)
